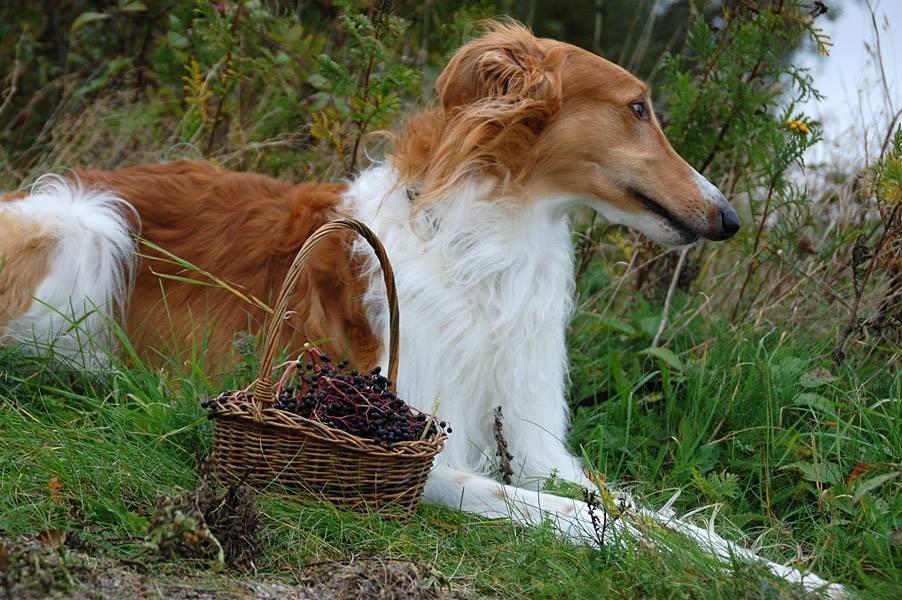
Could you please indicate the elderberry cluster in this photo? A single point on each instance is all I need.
(358, 403)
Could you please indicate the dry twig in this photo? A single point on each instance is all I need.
(503, 454)
(669, 298)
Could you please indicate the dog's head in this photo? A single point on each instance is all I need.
(551, 120)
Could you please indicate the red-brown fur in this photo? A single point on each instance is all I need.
(495, 97)
(24, 262)
(543, 117)
(244, 229)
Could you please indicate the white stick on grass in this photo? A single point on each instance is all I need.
(669, 298)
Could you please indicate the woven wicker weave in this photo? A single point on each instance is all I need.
(264, 446)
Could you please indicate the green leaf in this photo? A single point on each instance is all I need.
(618, 326)
(318, 101)
(706, 457)
(341, 105)
(823, 472)
(791, 366)
(114, 67)
(317, 81)
(176, 39)
(666, 356)
(816, 378)
(649, 325)
(133, 6)
(814, 400)
(872, 484)
(562, 488)
(87, 17)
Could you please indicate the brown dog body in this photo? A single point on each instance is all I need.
(244, 230)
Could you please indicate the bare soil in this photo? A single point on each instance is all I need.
(45, 567)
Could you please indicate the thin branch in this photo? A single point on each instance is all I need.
(13, 85)
(362, 125)
(838, 353)
(752, 264)
(669, 298)
(233, 28)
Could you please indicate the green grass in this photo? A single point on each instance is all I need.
(767, 426)
(738, 419)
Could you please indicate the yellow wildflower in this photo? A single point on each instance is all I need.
(798, 126)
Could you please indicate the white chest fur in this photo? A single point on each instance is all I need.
(485, 290)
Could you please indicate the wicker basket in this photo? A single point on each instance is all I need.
(266, 447)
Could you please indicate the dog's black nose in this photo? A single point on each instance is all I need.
(729, 221)
(726, 227)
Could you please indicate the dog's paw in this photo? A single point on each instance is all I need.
(810, 582)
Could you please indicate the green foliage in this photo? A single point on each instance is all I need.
(716, 487)
(888, 175)
(731, 93)
(364, 92)
(246, 84)
(731, 99)
(741, 405)
(881, 259)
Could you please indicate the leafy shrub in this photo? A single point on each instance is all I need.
(732, 98)
(293, 89)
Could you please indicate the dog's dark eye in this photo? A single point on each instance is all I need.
(640, 110)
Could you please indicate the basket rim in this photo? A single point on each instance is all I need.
(240, 406)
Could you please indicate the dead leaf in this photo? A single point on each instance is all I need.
(55, 486)
(598, 479)
(896, 537)
(52, 538)
(859, 470)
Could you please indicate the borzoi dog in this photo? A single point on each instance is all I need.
(472, 206)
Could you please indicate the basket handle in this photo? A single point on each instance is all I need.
(263, 387)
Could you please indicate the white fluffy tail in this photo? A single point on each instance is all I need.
(89, 269)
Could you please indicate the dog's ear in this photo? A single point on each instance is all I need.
(497, 94)
(505, 74)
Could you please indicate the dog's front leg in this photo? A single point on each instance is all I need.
(572, 520)
(482, 496)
